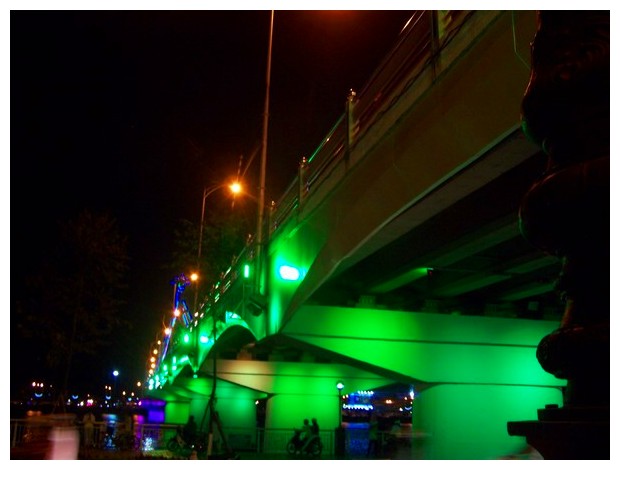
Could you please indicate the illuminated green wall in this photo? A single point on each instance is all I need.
(177, 412)
(237, 408)
(198, 407)
(288, 254)
(190, 396)
(289, 411)
(464, 422)
(286, 412)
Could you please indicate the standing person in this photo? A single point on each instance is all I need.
(128, 422)
(304, 433)
(393, 438)
(373, 436)
(89, 429)
(314, 433)
(189, 431)
(314, 428)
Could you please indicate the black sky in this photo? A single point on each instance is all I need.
(134, 112)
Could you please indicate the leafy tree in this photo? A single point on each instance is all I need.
(78, 293)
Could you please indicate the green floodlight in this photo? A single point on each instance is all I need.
(286, 272)
(246, 271)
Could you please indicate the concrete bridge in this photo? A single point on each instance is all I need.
(394, 257)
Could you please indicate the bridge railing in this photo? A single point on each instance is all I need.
(415, 51)
(32, 438)
(155, 436)
(411, 55)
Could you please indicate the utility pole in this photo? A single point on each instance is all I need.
(263, 170)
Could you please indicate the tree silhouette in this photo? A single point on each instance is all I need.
(78, 294)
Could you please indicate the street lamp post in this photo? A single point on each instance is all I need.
(115, 373)
(340, 386)
(235, 188)
(263, 167)
(339, 434)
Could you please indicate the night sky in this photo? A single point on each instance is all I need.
(134, 112)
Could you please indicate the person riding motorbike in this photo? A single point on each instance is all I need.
(306, 440)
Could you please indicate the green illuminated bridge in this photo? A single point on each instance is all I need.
(395, 257)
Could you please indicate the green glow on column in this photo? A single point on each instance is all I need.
(468, 422)
(176, 412)
(186, 338)
(288, 411)
(289, 273)
(204, 339)
(246, 271)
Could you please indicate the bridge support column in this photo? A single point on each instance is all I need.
(468, 421)
(237, 412)
(235, 405)
(285, 412)
(177, 411)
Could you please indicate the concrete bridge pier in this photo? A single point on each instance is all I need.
(177, 411)
(235, 405)
(289, 410)
(285, 412)
(468, 421)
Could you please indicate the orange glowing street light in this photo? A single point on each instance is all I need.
(236, 188)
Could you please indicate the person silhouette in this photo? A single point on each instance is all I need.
(89, 429)
(373, 436)
(189, 431)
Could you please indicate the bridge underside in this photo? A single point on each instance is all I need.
(456, 253)
(416, 347)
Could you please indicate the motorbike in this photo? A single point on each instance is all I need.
(182, 445)
(298, 447)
